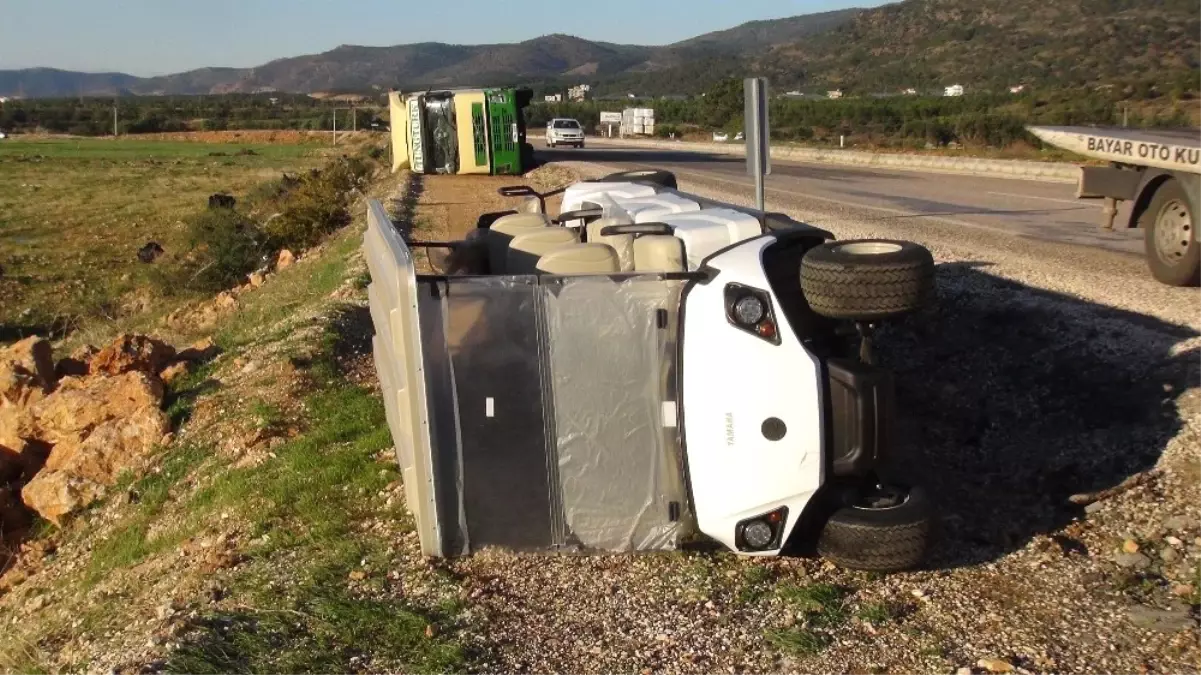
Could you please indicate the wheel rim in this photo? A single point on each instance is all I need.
(882, 498)
(868, 248)
(1173, 232)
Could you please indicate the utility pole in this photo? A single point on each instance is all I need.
(335, 113)
(114, 118)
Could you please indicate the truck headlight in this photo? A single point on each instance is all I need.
(758, 534)
(761, 533)
(749, 310)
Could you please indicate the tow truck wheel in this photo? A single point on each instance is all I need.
(666, 179)
(1173, 253)
(867, 279)
(886, 529)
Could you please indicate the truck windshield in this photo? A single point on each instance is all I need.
(567, 124)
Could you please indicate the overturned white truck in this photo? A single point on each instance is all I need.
(647, 370)
(1159, 171)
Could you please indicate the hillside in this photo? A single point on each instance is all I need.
(931, 43)
(756, 34)
(916, 43)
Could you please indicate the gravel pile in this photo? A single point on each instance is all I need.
(1046, 376)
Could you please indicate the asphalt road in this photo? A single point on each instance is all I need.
(1024, 208)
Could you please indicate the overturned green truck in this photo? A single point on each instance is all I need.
(461, 131)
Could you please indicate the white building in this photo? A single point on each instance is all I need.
(1017, 89)
(837, 93)
(579, 92)
(4, 99)
(554, 98)
(954, 90)
(909, 92)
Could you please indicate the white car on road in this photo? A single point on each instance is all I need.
(564, 131)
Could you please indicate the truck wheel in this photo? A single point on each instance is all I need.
(665, 178)
(885, 530)
(1173, 253)
(867, 279)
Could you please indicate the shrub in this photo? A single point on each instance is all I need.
(225, 247)
(316, 205)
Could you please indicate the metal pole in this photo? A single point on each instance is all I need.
(354, 119)
(335, 114)
(759, 190)
(114, 119)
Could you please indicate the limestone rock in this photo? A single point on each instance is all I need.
(285, 260)
(26, 371)
(55, 494)
(133, 352)
(79, 405)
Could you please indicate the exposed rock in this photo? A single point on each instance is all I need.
(76, 475)
(55, 494)
(77, 364)
(115, 445)
(256, 279)
(1169, 554)
(225, 301)
(26, 371)
(285, 259)
(95, 428)
(1161, 620)
(133, 352)
(174, 371)
(995, 665)
(1130, 546)
(200, 351)
(80, 405)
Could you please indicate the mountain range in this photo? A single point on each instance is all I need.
(915, 43)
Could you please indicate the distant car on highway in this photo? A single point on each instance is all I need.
(564, 131)
(720, 137)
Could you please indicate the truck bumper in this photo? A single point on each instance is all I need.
(862, 410)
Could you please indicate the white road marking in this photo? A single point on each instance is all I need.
(1074, 202)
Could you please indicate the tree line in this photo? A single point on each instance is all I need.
(92, 116)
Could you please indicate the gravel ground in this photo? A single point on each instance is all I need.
(1044, 371)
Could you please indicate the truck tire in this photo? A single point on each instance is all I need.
(867, 279)
(884, 531)
(1173, 253)
(666, 179)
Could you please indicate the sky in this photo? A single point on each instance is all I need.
(156, 37)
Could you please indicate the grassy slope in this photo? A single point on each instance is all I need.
(258, 542)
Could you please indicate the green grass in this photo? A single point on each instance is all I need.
(875, 613)
(127, 149)
(74, 212)
(822, 609)
(130, 543)
(309, 499)
(290, 290)
(756, 583)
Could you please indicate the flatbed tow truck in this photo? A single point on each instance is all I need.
(1159, 171)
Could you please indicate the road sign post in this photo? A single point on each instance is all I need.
(758, 144)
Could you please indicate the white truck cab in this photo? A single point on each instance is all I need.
(719, 383)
